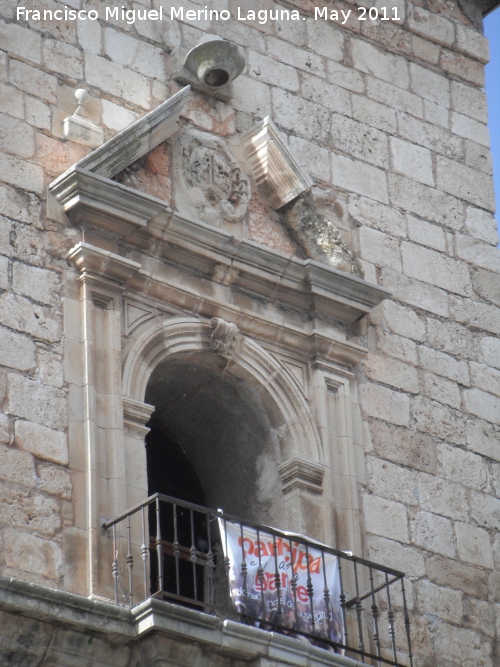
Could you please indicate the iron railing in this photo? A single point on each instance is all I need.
(183, 552)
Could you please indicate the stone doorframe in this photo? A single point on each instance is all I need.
(292, 316)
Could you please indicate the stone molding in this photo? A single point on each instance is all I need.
(94, 261)
(136, 140)
(136, 415)
(301, 475)
(154, 625)
(272, 165)
(259, 368)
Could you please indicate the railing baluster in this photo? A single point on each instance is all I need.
(295, 577)
(326, 595)
(342, 601)
(176, 551)
(114, 566)
(310, 590)
(193, 556)
(390, 614)
(144, 552)
(210, 565)
(260, 575)
(277, 575)
(130, 565)
(359, 611)
(159, 547)
(407, 621)
(244, 568)
(375, 614)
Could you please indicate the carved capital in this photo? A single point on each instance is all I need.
(301, 475)
(223, 337)
(136, 415)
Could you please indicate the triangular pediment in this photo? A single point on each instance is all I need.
(250, 187)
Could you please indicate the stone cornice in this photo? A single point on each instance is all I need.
(94, 261)
(302, 475)
(157, 621)
(273, 167)
(136, 140)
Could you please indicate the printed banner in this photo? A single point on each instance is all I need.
(256, 596)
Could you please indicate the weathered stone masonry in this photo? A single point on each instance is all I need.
(390, 121)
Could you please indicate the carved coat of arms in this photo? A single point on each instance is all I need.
(211, 184)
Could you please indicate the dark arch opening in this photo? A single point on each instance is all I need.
(211, 443)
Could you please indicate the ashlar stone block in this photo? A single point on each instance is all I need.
(17, 466)
(405, 558)
(330, 96)
(441, 390)
(412, 161)
(473, 43)
(38, 284)
(429, 85)
(359, 140)
(379, 248)
(485, 378)
(466, 183)
(490, 351)
(435, 27)
(380, 64)
(386, 404)
(385, 518)
(391, 372)
(444, 603)
(397, 347)
(26, 508)
(32, 554)
(16, 350)
(469, 101)
(481, 225)
(117, 80)
(470, 129)
(484, 439)
(426, 234)
(466, 647)
(22, 315)
(459, 465)
(442, 497)
(444, 365)
(435, 268)
(440, 420)
(391, 481)
(474, 545)
(358, 177)
(374, 214)
(399, 320)
(485, 510)
(459, 576)
(404, 446)
(425, 201)
(36, 402)
(41, 441)
(476, 315)
(416, 293)
(433, 533)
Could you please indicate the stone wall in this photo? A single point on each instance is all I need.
(390, 120)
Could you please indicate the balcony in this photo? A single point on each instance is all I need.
(259, 576)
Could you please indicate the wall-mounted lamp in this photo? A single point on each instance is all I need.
(210, 66)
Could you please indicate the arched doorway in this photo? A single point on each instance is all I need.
(223, 429)
(210, 443)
